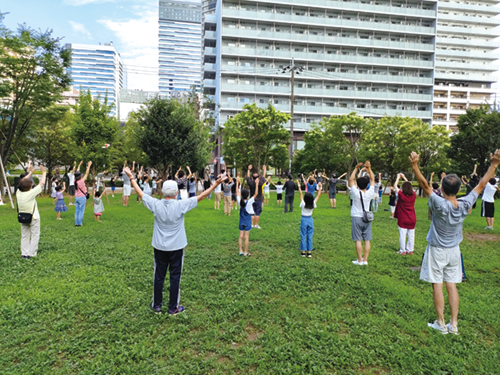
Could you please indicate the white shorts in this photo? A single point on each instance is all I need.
(126, 190)
(184, 194)
(441, 264)
(393, 208)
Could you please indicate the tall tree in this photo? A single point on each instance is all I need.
(91, 129)
(170, 133)
(332, 145)
(478, 136)
(252, 135)
(32, 78)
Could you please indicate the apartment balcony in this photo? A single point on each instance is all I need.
(210, 34)
(330, 58)
(478, 55)
(476, 31)
(473, 90)
(333, 76)
(468, 42)
(324, 93)
(318, 21)
(210, 51)
(462, 6)
(209, 82)
(209, 67)
(470, 66)
(209, 18)
(466, 77)
(332, 111)
(326, 40)
(469, 19)
(356, 7)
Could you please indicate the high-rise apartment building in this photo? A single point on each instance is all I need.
(374, 57)
(100, 69)
(465, 56)
(179, 45)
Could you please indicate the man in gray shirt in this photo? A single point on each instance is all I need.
(127, 189)
(442, 262)
(169, 238)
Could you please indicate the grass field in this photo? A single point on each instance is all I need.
(82, 305)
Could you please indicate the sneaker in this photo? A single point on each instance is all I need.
(156, 309)
(257, 227)
(401, 252)
(241, 254)
(437, 327)
(452, 329)
(487, 228)
(364, 263)
(357, 263)
(176, 311)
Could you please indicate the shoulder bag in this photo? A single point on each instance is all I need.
(87, 195)
(25, 217)
(367, 215)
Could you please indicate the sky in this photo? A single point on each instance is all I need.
(132, 26)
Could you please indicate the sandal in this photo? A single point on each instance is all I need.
(309, 255)
(303, 253)
(241, 254)
(248, 254)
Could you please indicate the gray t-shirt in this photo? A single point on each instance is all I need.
(446, 226)
(333, 184)
(126, 179)
(169, 233)
(98, 206)
(227, 189)
(376, 187)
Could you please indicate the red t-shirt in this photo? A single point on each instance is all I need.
(406, 211)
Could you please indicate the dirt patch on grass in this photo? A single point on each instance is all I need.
(415, 268)
(209, 355)
(482, 236)
(253, 333)
(221, 360)
(372, 370)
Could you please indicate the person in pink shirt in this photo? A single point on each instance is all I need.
(80, 194)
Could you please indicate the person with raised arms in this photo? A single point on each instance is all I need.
(361, 226)
(127, 188)
(442, 261)
(169, 238)
(332, 189)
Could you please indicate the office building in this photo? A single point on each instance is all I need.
(179, 45)
(370, 57)
(100, 69)
(465, 57)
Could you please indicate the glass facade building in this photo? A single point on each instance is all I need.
(100, 69)
(179, 45)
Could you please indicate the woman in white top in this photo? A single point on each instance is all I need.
(218, 197)
(26, 203)
(488, 206)
(279, 192)
(308, 204)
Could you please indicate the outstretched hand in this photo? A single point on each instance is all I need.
(495, 158)
(43, 169)
(414, 158)
(359, 165)
(368, 165)
(128, 172)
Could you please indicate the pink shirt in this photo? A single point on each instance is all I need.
(80, 184)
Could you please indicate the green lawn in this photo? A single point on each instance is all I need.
(82, 306)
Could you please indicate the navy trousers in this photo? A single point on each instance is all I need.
(172, 261)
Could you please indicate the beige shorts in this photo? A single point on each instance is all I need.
(218, 197)
(127, 190)
(441, 264)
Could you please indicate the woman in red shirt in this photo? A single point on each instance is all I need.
(405, 213)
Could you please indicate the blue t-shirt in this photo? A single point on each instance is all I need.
(311, 188)
(192, 187)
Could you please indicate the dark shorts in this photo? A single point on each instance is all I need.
(332, 194)
(71, 190)
(233, 197)
(279, 197)
(206, 185)
(192, 195)
(245, 225)
(257, 207)
(488, 209)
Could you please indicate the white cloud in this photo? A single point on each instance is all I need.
(77, 3)
(80, 28)
(138, 40)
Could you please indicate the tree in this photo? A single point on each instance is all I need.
(478, 136)
(51, 146)
(32, 78)
(331, 145)
(91, 129)
(252, 135)
(170, 133)
(387, 142)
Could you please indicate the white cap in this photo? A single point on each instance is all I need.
(170, 185)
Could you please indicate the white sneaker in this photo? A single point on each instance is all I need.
(2, 204)
(257, 227)
(437, 327)
(452, 329)
(364, 263)
(357, 263)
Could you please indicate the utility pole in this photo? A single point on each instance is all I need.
(292, 68)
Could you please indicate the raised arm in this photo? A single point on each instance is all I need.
(352, 179)
(303, 180)
(238, 183)
(300, 190)
(248, 170)
(89, 164)
(319, 192)
(430, 179)
(404, 177)
(495, 161)
(420, 177)
(264, 170)
(207, 192)
(361, 171)
(190, 173)
(44, 175)
(342, 175)
(368, 169)
(138, 190)
(79, 165)
(475, 170)
(396, 184)
(30, 170)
